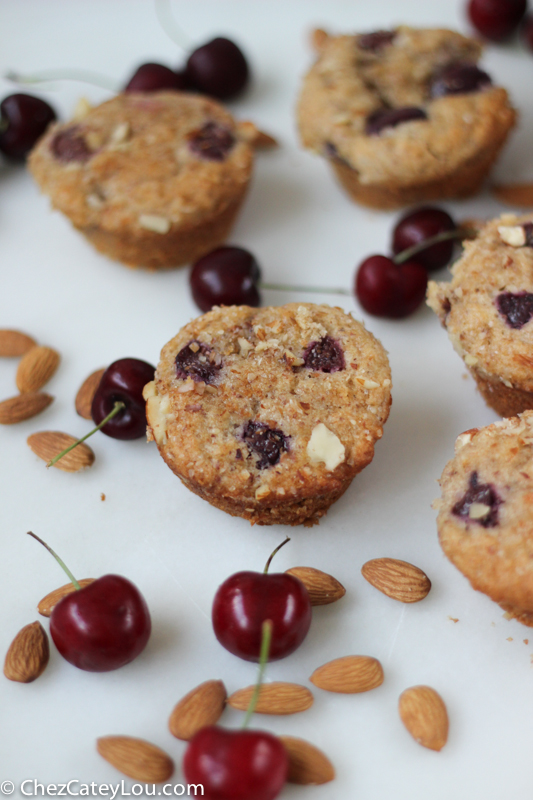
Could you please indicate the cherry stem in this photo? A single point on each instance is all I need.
(119, 405)
(445, 236)
(283, 287)
(266, 637)
(170, 26)
(59, 560)
(267, 565)
(51, 75)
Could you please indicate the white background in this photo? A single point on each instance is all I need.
(177, 548)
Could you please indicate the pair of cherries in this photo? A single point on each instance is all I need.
(422, 241)
(218, 68)
(239, 765)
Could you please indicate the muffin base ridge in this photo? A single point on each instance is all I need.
(505, 400)
(164, 251)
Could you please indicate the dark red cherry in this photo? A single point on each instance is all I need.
(227, 276)
(218, 68)
(23, 120)
(496, 19)
(417, 226)
(483, 493)
(246, 599)
(103, 626)
(236, 765)
(389, 290)
(124, 380)
(155, 78)
(458, 78)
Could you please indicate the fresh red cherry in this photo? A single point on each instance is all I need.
(227, 276)
(23, 120)
(386, 289)
(247, 599)
(496, 19)
(123, 381)
(236, 765)
(102, 626)
(155, 78)
(218, 68)
(417, 226)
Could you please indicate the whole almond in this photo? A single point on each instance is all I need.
(86, 392)
(202, 706)
(424, 714)
(515, 194)
(136, 758)
(349, 675)
(15, 343)
(274, 698)
(47, 444)
(397, 579)
(23, 406)
(307, 764)
(28, 654)
(36, 368)
(322, 588)
(48, 603)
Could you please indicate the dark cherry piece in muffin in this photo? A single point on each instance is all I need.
(486, 512)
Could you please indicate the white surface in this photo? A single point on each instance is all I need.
(173, 545)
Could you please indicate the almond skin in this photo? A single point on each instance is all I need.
(349, 675)
(36, 368)
(202, 706)
(48, 603)
(424, 714)
(86, 392)
(23, 407)
(136, 758)
(47, 444)
(15, 343)
(397, 579)
(307, 764)
(274, 698)
(28, 654)
(323, 589)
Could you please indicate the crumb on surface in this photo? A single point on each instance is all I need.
(453, 619)
(102, 497)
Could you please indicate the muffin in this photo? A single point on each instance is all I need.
(485, 519)
(152, 180)
(403, 116)
(269, 413)
(487, 310)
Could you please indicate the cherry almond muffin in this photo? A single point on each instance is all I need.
(485, 519)
(487, 310)
(153, 180)
(270, 413)
(403, 116)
